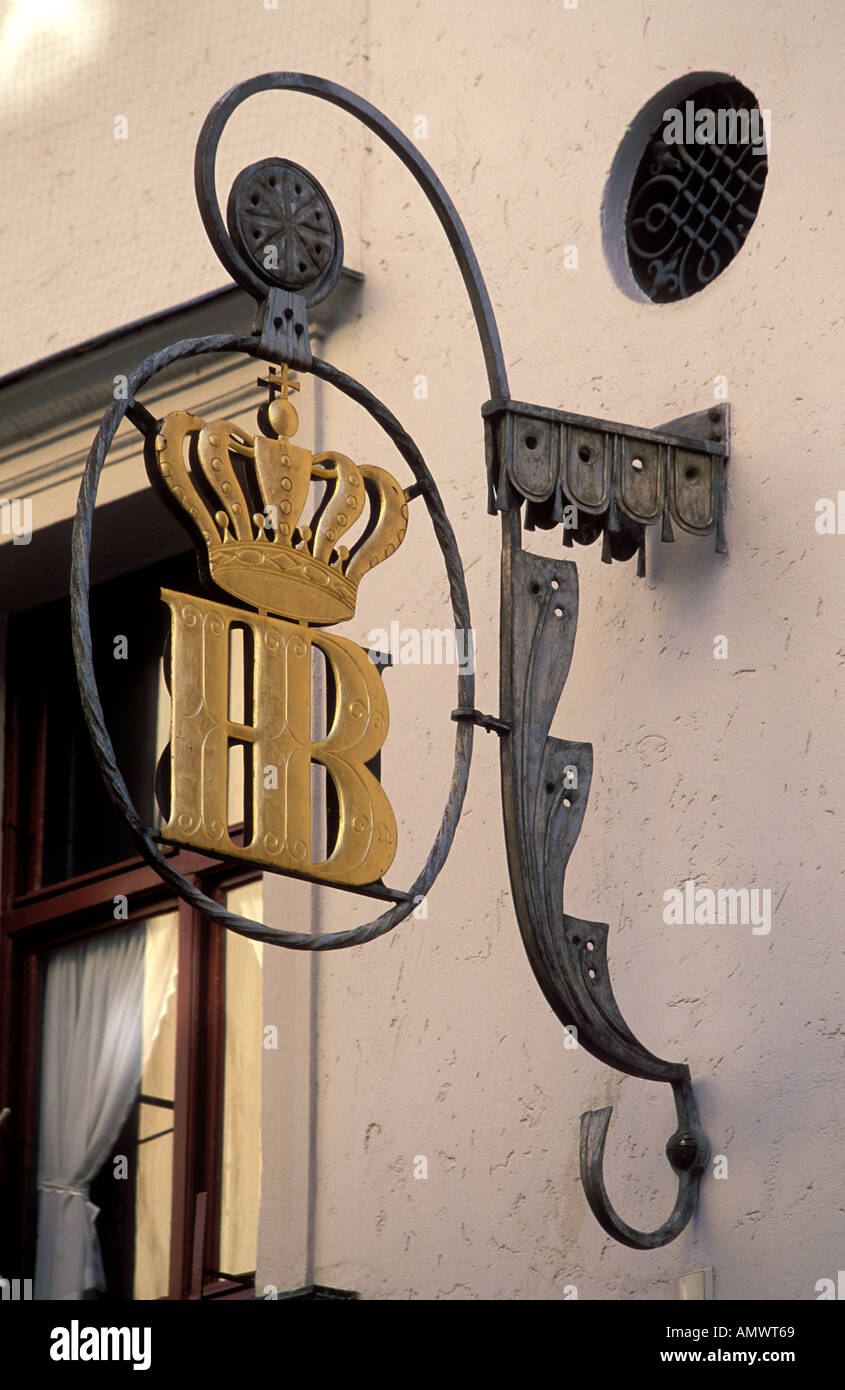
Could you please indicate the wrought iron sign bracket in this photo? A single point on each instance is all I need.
(282, 242)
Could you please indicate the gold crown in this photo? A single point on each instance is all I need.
(221, 478)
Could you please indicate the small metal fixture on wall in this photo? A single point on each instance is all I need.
(592, 477)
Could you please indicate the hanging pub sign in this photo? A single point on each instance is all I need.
(283, 570)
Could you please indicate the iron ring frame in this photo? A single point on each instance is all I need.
(92, 706)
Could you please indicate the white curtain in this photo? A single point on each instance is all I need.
(97, 998)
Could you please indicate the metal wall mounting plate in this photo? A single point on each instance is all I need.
(553, 460)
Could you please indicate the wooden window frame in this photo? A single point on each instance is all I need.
(42, 918)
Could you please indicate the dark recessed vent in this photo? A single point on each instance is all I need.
(696, 192)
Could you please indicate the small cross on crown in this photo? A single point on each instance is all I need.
(277, 381)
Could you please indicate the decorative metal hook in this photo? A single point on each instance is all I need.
(687, 1151)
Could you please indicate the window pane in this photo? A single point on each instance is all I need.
(154, 1168)
(240, 1186)
(106, 1044)
(81, 831)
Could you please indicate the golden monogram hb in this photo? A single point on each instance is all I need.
(244, 500)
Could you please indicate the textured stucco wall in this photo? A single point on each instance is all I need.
(436, 1041)
(113, 220)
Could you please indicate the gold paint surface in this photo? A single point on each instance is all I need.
(244, 499)
(279, 740)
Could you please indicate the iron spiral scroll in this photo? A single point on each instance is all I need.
(543, 804)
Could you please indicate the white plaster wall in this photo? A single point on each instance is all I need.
(436, 1041)
(113, 222)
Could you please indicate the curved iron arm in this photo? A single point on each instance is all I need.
(370, 116)
(545, 785)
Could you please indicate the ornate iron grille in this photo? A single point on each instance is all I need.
(693, 201)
